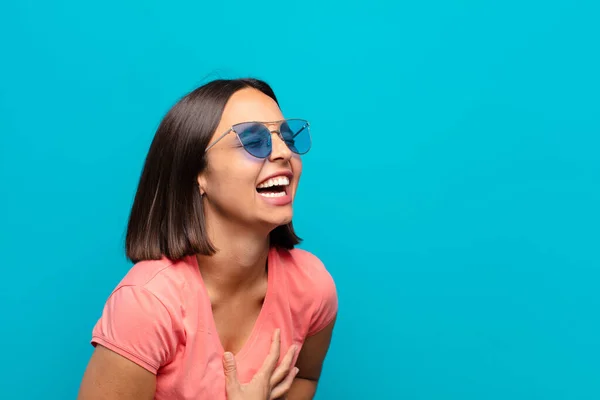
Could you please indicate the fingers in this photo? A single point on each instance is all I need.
(230, 369)
(273, 356)
(281, 389)
(284, 368)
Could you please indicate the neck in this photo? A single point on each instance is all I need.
(240, 259)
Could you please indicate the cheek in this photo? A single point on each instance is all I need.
(296, 164)
(235, 177)
(236, 182)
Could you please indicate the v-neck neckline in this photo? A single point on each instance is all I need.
(265, 309)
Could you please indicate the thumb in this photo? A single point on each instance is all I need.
(230, 369)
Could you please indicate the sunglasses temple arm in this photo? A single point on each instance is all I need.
(300, 131)
(217, 139)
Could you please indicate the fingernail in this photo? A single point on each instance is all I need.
(228, 356)
(296, 370)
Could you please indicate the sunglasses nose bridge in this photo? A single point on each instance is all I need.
(277, 132)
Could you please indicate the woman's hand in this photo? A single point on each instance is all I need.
(268, 383)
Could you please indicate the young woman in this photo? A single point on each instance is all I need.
(219, 304)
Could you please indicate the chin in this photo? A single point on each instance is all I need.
(278, 220)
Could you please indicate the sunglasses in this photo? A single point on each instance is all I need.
(255, 137)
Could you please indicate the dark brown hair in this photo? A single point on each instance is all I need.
(167, 216)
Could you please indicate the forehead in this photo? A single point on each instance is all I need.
(249, 105)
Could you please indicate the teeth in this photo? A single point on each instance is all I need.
(279, 194)
(277, 181)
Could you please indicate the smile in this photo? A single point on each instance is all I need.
(274, 187)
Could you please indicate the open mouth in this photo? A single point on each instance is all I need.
(274, 187)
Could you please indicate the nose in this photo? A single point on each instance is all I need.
(279, 150)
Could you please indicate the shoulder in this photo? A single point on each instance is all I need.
(305, 265)
(164, 279)
(142, 319)
(311, 284)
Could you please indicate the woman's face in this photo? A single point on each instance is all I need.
(232, 180)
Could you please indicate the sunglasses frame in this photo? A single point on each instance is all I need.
(266, 125)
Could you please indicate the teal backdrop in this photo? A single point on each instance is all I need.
(453, 189)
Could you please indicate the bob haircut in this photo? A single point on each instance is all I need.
(167, 215)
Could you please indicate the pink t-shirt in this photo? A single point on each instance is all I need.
(160, 317)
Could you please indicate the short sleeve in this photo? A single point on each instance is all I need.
(136, 325)
(326, 299)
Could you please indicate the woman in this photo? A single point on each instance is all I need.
(219, 304)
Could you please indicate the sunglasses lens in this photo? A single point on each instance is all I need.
(296, 135)
(255, 138)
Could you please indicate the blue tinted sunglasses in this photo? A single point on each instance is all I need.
(255, 137)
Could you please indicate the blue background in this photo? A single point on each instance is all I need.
(453, 189)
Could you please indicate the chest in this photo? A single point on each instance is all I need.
(197, 370)
(235, 319)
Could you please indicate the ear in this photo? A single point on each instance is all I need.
(201, 179)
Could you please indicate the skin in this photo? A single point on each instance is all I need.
(238, 223)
